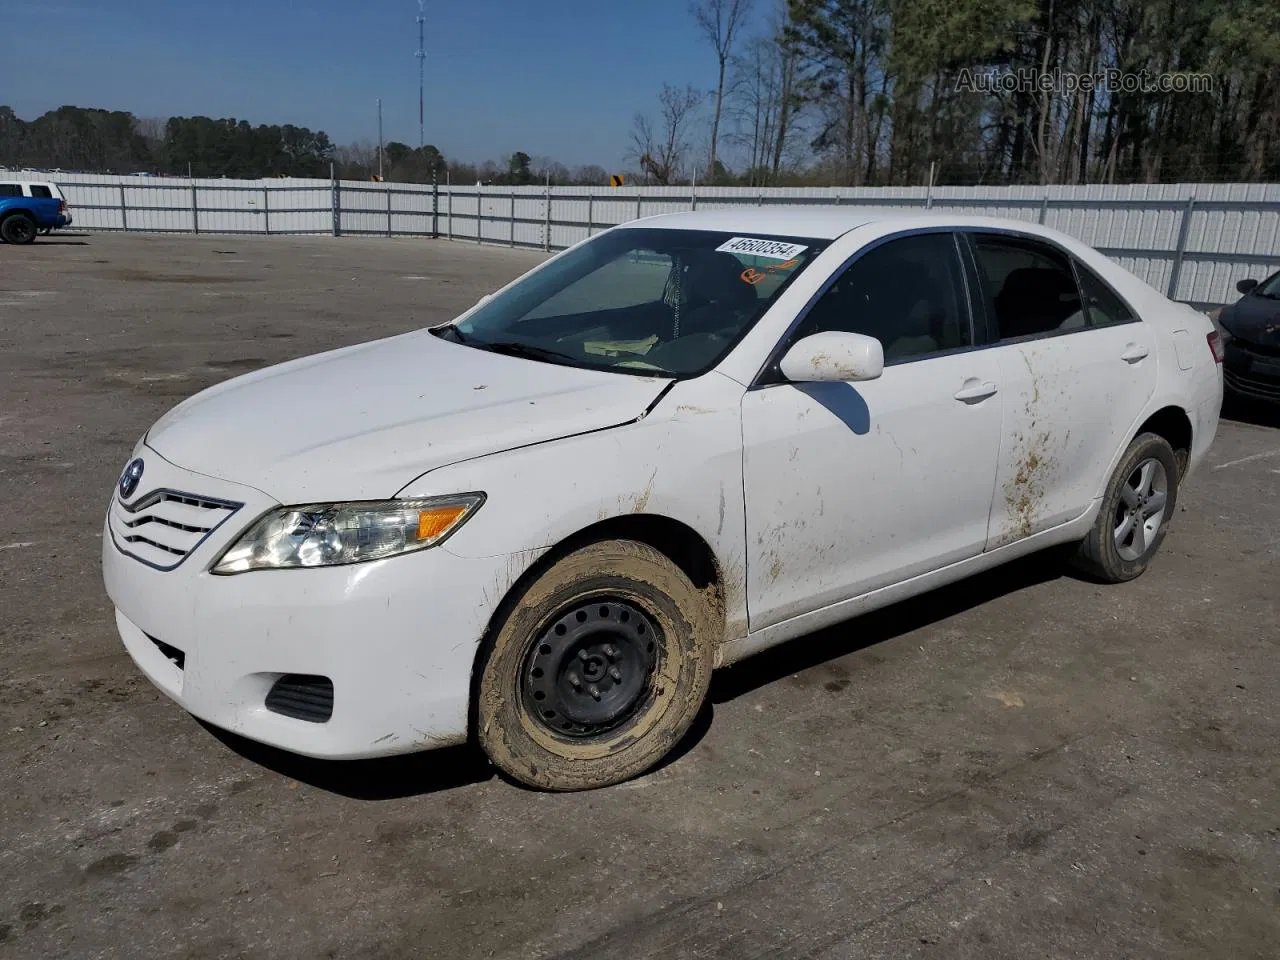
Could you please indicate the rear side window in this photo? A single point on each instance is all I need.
(907, 293)
(1102, 305)
(41, 191)
(10, 189)
(1030, 288)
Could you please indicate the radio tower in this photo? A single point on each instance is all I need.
(422, 60)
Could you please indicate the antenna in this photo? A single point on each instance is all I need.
(422, 60)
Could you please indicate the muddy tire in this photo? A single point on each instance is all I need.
(1136, 509)
(598, 669)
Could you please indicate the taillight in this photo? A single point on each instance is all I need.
(1215, 346)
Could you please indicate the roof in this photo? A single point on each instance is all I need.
(821, 222)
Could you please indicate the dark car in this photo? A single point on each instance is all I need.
(1251, 333)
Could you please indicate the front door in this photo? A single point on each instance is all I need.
(854, 486)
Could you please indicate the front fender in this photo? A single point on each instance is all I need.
(683, 461)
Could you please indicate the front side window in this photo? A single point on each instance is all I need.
(1030, 288)
(43, 192)
(1101, 304)
(641, 301)
(907, 293)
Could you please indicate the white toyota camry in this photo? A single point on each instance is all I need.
(685, 440)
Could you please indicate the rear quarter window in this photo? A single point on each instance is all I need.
(10, 189)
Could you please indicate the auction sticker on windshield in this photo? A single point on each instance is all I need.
(770, 249)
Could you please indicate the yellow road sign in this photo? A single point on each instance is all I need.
(615, 180)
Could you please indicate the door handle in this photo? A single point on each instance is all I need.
(975, 390)
(1133, 352)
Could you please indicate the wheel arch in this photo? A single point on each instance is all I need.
(1174, 424)
(676, 540)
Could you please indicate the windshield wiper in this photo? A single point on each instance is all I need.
(450, 331)
(517, 348)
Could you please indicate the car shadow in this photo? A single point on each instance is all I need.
(887, 623)
(384, 778)
(1255, 412)
(45, 242)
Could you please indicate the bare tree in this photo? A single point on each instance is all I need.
(719, 21)
(660, 149)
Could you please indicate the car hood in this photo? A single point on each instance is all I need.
(363, 421)
(1253, 319)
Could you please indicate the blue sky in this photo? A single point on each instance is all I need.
(558, 78)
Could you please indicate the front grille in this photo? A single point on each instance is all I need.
(302, 696)
(1252, 386)
(163, 527)
(1257, 349)
(171, 653)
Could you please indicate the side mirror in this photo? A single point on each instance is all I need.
(833, 356)
(1246, 286)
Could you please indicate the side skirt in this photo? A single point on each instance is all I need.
(735, 650)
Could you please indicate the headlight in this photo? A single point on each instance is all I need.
(331, 534)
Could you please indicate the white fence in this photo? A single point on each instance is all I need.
(1193, 241)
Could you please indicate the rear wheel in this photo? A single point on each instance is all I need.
(597, 671)
(1135, 514)
(18, 228)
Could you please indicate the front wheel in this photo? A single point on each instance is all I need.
(1136, 510)
(597, 671)
(18, 228)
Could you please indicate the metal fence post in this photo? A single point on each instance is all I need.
(124, 211)
(435, 205)
(1044, 208)
(335, 201)
(266, 210)
(195, 210)
(388, 209)
(1180, 253)
(638, 199)
(590, 203)
(546, 220)
(693, 192)
(511, 229)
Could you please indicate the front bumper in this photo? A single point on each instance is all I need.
(1252, 371)
(396, 637)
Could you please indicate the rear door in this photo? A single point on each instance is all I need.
(1076, 369)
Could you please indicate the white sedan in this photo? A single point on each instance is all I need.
(688, 439)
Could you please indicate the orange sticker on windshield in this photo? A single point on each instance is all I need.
(752, 276)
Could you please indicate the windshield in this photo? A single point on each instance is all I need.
(641, 301)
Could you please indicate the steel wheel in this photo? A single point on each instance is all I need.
(591, 668)
(1140, 511)
(597, 668)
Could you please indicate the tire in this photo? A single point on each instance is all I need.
(18, 228)
(1136, 509)
(612, 606)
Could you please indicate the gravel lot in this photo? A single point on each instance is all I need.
(1023, 765)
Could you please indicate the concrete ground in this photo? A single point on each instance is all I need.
(1023, 765)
